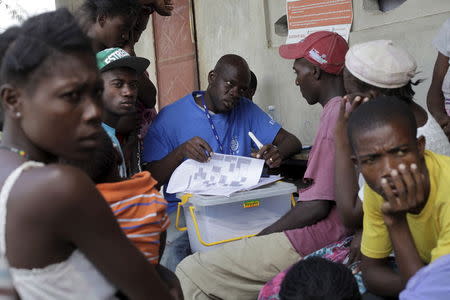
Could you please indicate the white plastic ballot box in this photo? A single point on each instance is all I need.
(214, 220)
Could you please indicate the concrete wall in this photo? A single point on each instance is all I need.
(70, 4)
(245, 27)
(144, 48)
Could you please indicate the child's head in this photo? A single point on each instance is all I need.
(50, 86)
(319, 58)
(382, 133)
(109, 22)
(316, 278)
(380, 68)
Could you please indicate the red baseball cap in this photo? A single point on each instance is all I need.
(325, 49)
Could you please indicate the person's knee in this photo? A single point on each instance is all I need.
(183, 271)
(187, 264)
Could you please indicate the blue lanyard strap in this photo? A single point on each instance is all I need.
(213, 128)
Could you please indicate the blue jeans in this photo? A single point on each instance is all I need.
(177, 243)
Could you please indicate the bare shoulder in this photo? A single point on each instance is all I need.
(60, 180)
(53, 189)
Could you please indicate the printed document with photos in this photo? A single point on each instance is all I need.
(222, 175)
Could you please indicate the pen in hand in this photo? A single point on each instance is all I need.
(255, 140)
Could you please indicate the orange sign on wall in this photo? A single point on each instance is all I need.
(307, 16)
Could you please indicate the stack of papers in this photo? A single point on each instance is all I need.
(222, 175)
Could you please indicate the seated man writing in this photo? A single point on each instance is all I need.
(216, 120)
(406, 207)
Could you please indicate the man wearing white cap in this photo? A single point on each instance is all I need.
(371, 69)
(376, 68)
(382, 67)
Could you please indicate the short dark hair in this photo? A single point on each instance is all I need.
(378, 112)
(230, 60)
(317, 278)
(90, 9)
(24, 49)
(253, 81)
(6, 38)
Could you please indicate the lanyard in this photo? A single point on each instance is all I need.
(213, 128)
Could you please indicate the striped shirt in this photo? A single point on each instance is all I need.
(140, 211)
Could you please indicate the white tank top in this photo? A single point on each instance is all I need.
(74, 278)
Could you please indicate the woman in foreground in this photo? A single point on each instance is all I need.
(56, 231)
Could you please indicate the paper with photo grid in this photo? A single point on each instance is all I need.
(221, 176)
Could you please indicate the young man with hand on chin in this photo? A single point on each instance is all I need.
(406, 207)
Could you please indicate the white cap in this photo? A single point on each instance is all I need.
(381, 63)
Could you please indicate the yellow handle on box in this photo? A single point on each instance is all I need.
(197, 231)
(184, 199)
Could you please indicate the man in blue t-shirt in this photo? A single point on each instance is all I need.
(216, 120)
(185, 129)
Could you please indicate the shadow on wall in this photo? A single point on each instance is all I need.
(383, 5)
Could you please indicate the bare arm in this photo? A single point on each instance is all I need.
(411, 195)
(171, 280)
(196, 148)
(303, 214)
(346, 189)
(162, 169)
(283, 146)
(86, 220)
(345, 179)
(287, 143)
(380, 278)
(406, 254)
(435, 97)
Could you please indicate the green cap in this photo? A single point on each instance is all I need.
(117, 58)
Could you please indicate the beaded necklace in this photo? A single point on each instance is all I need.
(15, 150)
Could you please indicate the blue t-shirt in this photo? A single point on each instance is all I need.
(184, 119)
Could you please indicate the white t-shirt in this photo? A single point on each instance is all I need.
(442, 44)
(435, 140)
